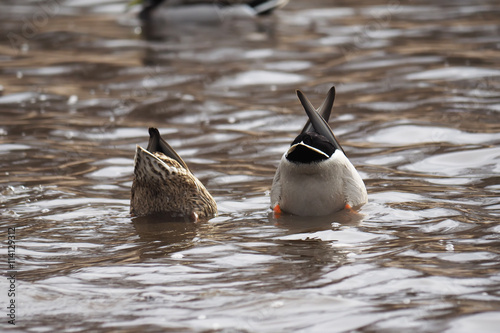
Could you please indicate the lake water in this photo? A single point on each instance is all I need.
(417, 111)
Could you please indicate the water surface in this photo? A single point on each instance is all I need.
(417, 109)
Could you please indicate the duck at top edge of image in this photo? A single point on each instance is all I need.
(159, 16)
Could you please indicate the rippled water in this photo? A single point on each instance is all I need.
(417, 111)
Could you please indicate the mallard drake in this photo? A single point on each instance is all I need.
(164, 185)
(314, 176)
(206, 10)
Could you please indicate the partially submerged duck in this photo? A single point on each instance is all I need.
(206, 10)
(164, 185)
(315, 177)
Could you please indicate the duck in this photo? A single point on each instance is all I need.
(164, 185)
(314, 176)
(206, 11)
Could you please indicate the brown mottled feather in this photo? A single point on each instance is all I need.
(162, 185)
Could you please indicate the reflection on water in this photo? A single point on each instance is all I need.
(416, 111)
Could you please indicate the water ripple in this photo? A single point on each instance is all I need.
(416, 111)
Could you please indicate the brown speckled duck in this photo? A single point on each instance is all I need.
(164, 185)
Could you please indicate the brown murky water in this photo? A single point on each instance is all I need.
(417, 111)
